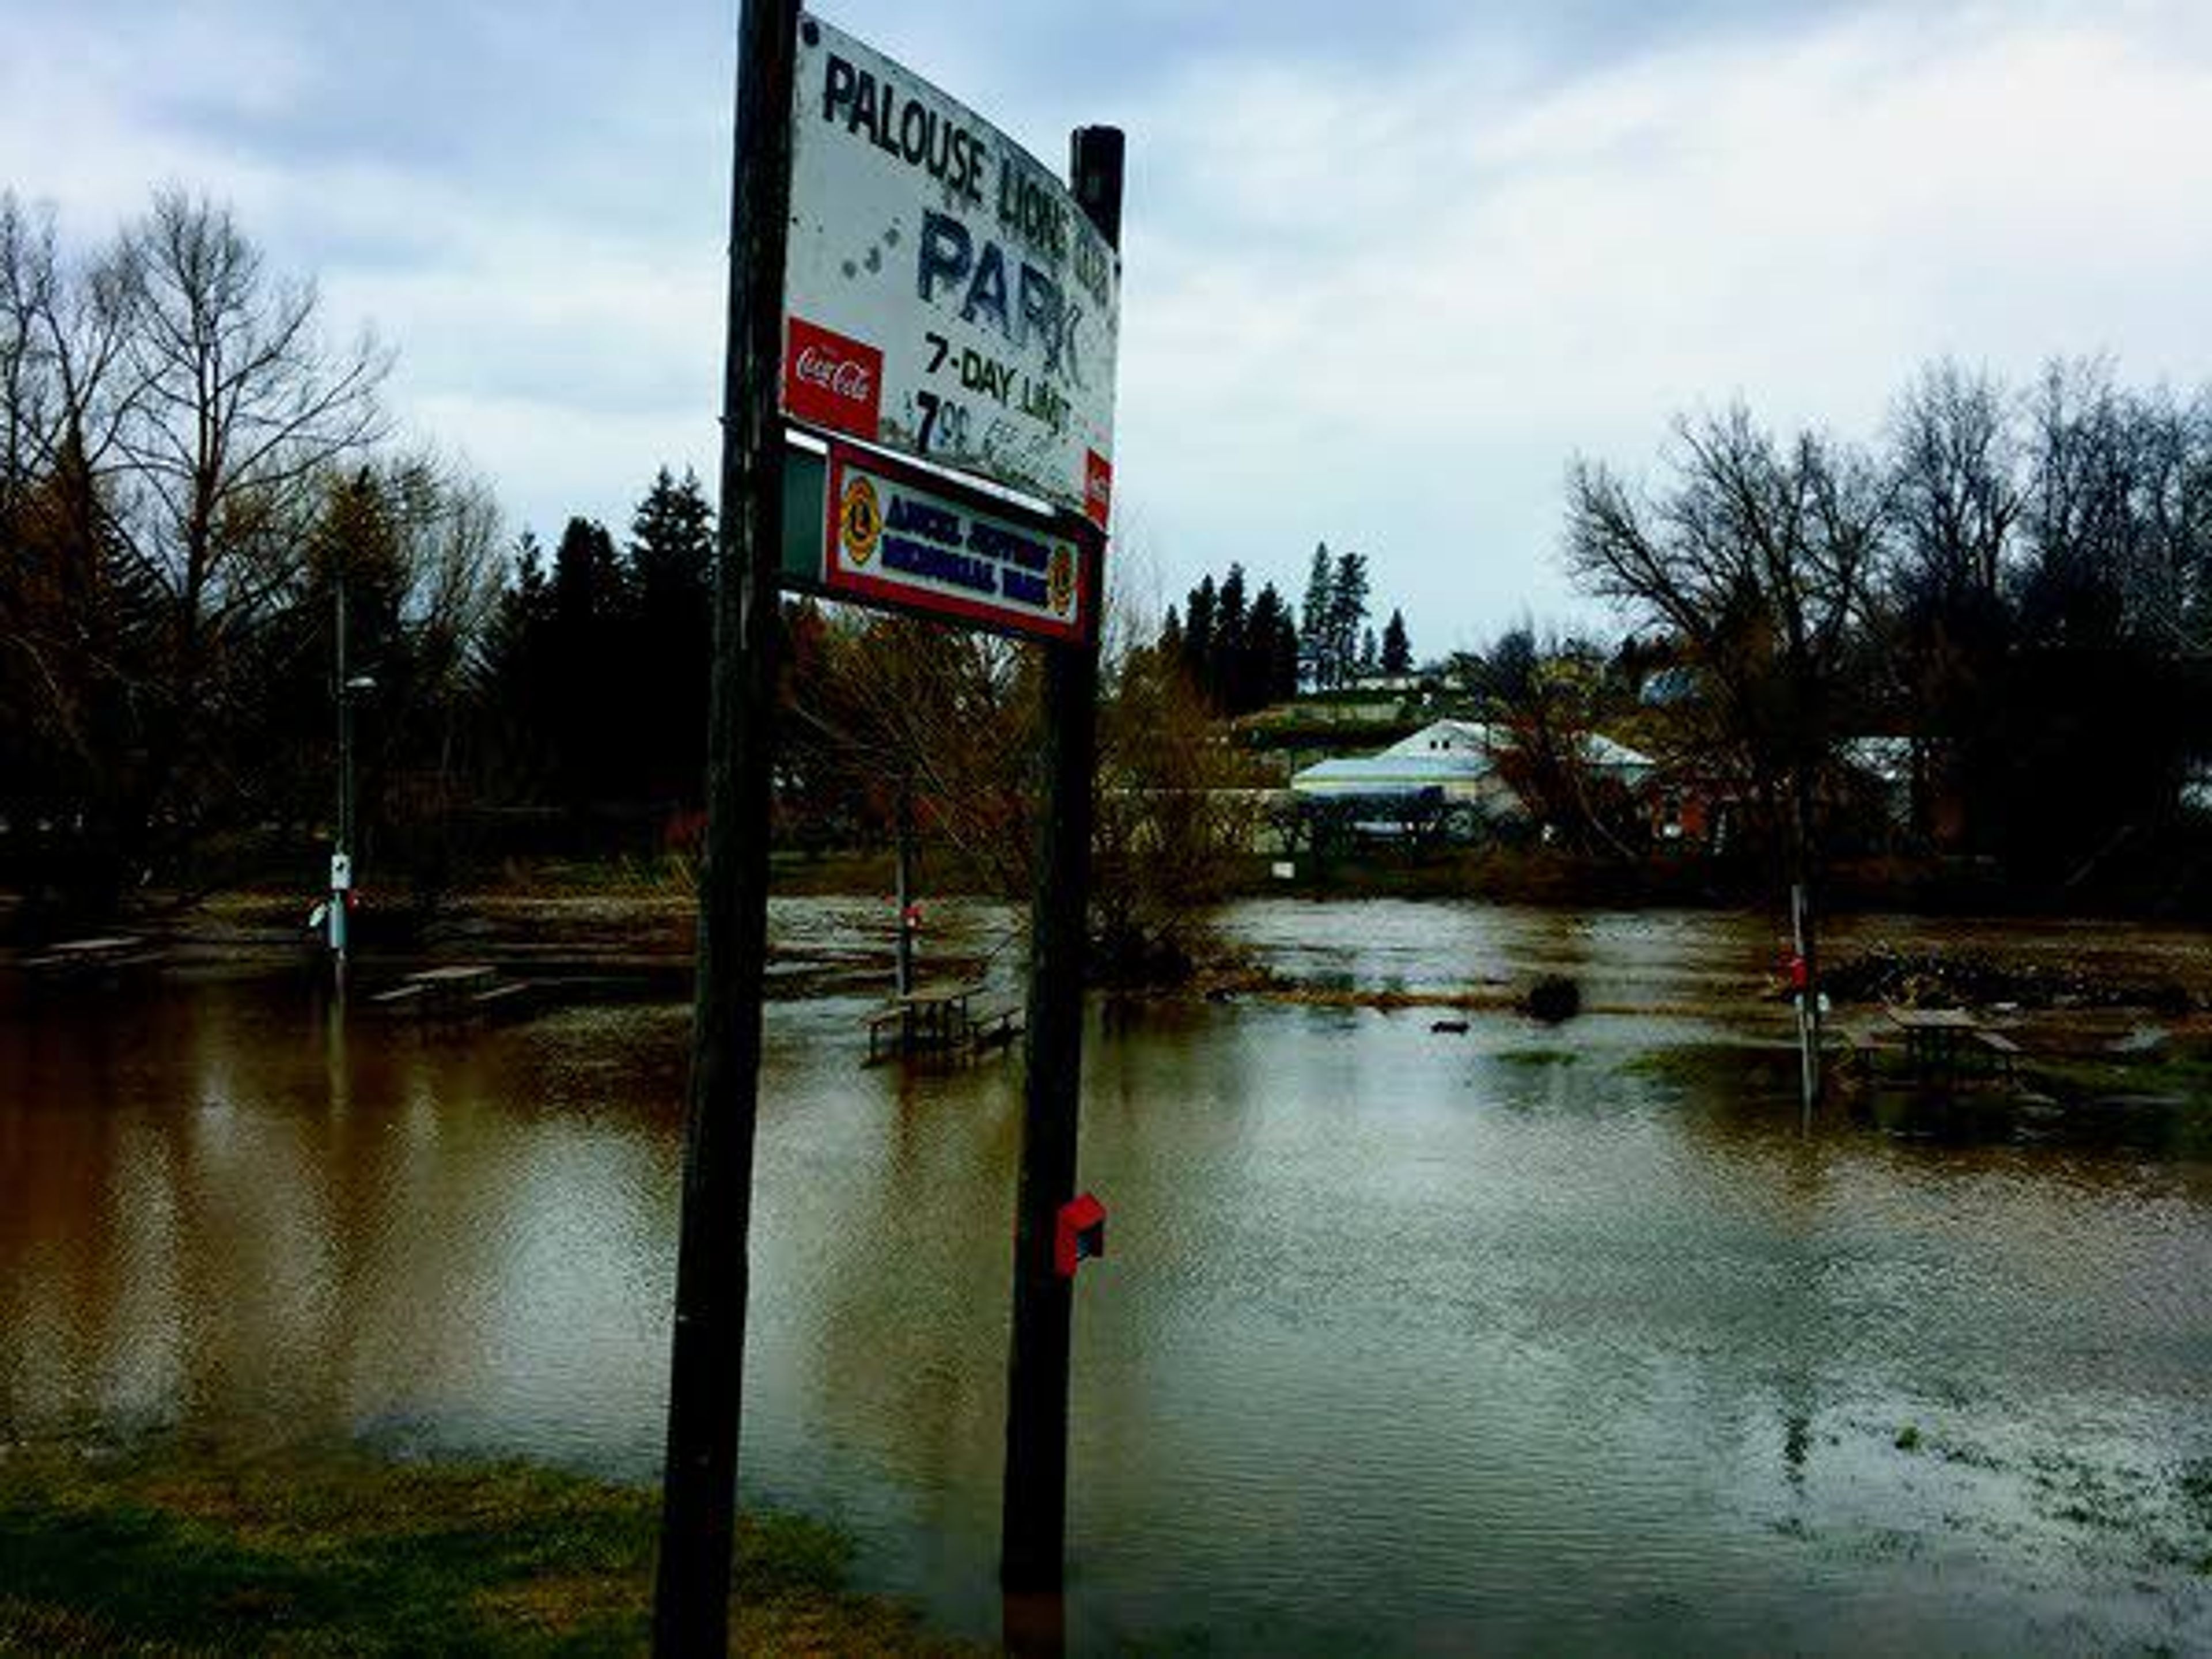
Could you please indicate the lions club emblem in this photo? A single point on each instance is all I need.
(860, 519)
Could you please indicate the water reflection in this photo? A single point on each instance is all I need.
(238, 1215)
(1408, 1341)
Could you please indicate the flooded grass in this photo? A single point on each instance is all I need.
(2081, 1085)
(166, 1550)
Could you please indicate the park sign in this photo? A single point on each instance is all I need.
(944, 295)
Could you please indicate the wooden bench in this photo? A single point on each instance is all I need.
(993, 1028)
(2004, 1052)
(510, 998)
(94, 956)
(892, 1015)
(1864, 1045)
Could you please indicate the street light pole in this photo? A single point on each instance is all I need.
(341, 852)
(341, 881)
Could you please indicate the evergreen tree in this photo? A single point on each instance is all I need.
(1224, 661)
(1397, 650)
(1171, 642)
(1347, 613)
(1283, 661)
(1169, 648)
(1370, 657)
(1198, 632)
(516, 674)
(589, 712)
(671, 548)
(588, 591)
(671, 558)
(1314, 620)
(1256, 664)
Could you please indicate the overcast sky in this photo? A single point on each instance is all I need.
(1386, 267)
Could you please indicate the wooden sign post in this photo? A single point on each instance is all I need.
(707, 1365)
(1034, 1521)
(913, 291)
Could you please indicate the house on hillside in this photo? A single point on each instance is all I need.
(1454, 763)
(1452, 757)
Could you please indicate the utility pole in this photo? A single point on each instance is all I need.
(1034, 1527)
(341, 881)
(698, 1530)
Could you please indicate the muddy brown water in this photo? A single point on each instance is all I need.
(1407, 1342)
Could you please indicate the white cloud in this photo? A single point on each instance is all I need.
(1379, 302)
(1402, 308)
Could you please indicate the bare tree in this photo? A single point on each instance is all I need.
(943, 716)
(1956, 460)
(451, 563)
(2119, 521)
(898, 706)
(170, 418)
(71, 633)
(1177, 805)
(1757, 560)
(239, 408)
(1547, 704)
(1961, 489)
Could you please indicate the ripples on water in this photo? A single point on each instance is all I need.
(1407, 1342)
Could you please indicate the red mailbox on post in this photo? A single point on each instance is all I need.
(1081, 1234)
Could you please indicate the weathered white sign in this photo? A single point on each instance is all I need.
(894, 536)
(943, 294)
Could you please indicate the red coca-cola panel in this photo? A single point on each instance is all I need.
(1098, 488)
(832, 380)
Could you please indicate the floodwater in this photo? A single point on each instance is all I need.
(1407, 1342)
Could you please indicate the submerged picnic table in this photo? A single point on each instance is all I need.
(938, 1018)
(1935, 1038)
(463, 987)
(87, 956)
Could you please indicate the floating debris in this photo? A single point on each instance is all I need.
(1972, 978)
(1554, 999)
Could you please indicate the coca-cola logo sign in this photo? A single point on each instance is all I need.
(832, 380)
(843, 377)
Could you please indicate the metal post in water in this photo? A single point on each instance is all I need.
(904, 976)
(1808, 1055)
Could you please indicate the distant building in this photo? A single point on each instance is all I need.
(1459, 760)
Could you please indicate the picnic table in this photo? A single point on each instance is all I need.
(439, 990)
(928, 1017)
(91, 956)
(1935, 1039)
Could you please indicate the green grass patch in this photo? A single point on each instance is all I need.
(2181, 1074)
(1730, 1067)
(1537, 1060)
(164, 1552)
(2177, 1078)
